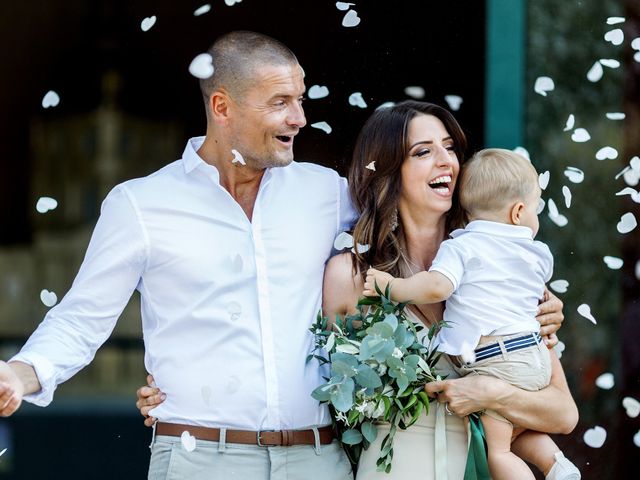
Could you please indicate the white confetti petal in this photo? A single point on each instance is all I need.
(553, 210)
(342, 241)
(636, 439)
(48, 298)
(324, 126)
(585, 311)
(237, 157)
(454, 102)
(188, 440)
(606, 153)
(371, 166)
(574, 174)
(616, 116)
(201, 66)
(634, 194)
(609, 62)
(414, 91)
(2, 452)
(614, 263)
(343, 5)
(202, 10)
(570, 123)
(356, 100)
(627, 223)
(231, 3)
(147, 23)
(555, 216)
(540, 208)
(45, 204)
(580, 135)
(635, 43)
(362, 248)
(605, 381)
(386, 105)
(631, 406)
(595, 437)
(567, 196)
(50, 99)
(522, 151)
(543, 85)
(543, 180)
(616, 37)
(559, 348)
(636, 56)
(637, 270)
(317, 91)
(614, 20)
(595, 72)
(559, 286)
(351, 19)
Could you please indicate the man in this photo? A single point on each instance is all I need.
(227, 248)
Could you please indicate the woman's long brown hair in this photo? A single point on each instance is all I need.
(375, 194)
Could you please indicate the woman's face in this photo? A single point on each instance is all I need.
(430, 170)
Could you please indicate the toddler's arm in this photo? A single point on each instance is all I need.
(423, 287)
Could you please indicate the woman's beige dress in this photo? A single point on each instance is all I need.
(434, 448)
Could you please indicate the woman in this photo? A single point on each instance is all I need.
(402, 181)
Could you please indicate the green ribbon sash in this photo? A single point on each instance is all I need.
(477, 467)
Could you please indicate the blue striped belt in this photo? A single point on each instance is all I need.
(510, 345)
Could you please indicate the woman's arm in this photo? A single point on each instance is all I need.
(340, 289)
(550, 410)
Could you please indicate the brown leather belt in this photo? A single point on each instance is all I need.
(263, 438)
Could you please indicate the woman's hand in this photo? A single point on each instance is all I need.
(550, 317)
(149, 397)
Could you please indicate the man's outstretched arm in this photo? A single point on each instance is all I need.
(16, 380)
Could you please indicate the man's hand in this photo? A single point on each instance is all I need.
(376, 277)
(469, 394)
(550, 317)
(149, 397)
(11, 390)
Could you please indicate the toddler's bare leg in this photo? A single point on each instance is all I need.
(503, 464)
(537, 448)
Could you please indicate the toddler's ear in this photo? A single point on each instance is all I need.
(516, 213)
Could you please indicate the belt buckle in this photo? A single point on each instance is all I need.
(259, 442)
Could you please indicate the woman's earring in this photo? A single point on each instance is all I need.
(394, 220)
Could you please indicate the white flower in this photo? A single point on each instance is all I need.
(361, 407)
(341, 417)
(382, 369)
(397, 353)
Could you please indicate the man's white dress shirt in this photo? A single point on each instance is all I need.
(498, 273)
(226, 302)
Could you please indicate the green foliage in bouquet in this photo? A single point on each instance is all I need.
(378, 372)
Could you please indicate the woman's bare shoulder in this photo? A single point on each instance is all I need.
(342, 288)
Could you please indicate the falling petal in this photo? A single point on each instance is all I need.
(616, 116)
(555, 216)
(631, 406)
(567, 196)
(324, 126)
(543, 180)
(559, 348)
(553, 210)
(595, 437)
(607, 153)
(362, 248)
(541, 204)
(414, 92)
(627, 223)
(614, 20)
(454, 102)
(202, 10)
(636, 57)
(585, 311)
(317, 91)
(570, 123)
(45, 204)
(49, 299)
(559, 286)
(635, 43)
(614, 263)
(595, 72)
(342, 241)
(237, 157)
(636, 439)
(351, 19)
(386, 105)
(356, 100)
(609, 62)
(580, 135)
(188, 441)
(605, 381)
(50, 99)
(371, 166)
(616, 37)
(637, 270)
(147, 23)
(574, 174)
(201, 66)
(522, 151)
(343, 5)
(634, 194)
(543, 85)
(231, 3)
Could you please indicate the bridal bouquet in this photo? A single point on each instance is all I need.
(378, 372)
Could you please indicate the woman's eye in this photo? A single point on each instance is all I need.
(423, 152)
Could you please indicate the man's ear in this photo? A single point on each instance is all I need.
(219, 106)
(516, 213)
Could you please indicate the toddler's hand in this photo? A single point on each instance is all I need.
(382, 279)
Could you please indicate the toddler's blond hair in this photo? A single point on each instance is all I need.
(493, 178)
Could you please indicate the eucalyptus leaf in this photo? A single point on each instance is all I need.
(369, 431)
(351, 437)
(342, 395)
(392, 320)
(367, 377)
